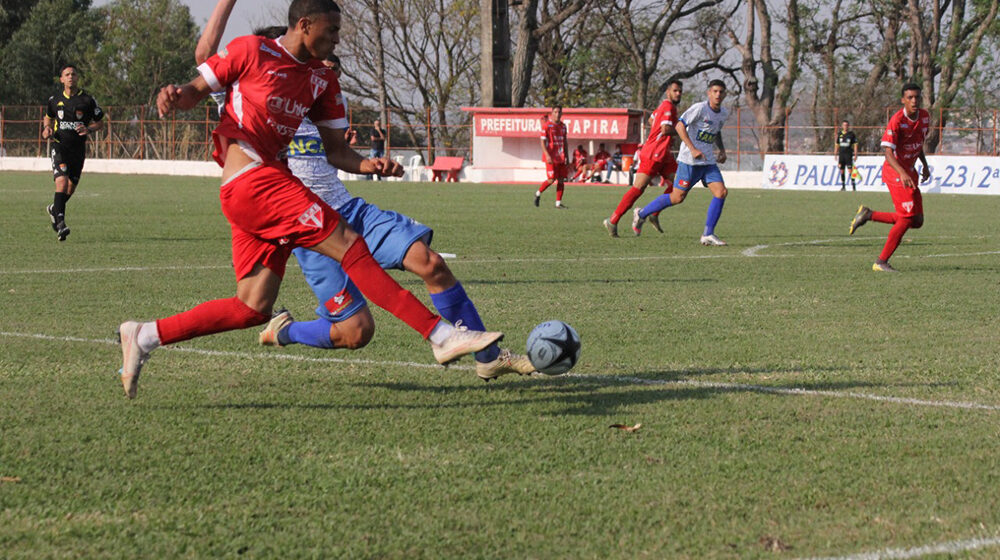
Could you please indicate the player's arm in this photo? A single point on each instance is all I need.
(721, 156)
(208, 43)
(342, 156)
(183, 97)
(682, 133)
(925, 173)
(855, 149)
(47, 129)
(546, 156)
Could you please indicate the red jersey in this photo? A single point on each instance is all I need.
(667, 114)
(554, 134)
(906, 138)
(579, 157)
(603, 155)
(268, 93)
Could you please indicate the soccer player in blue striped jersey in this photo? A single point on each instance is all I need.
(700, 131)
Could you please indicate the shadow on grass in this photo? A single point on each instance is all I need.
(595, 395)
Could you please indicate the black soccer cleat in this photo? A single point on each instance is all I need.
(861, 218)
(62, 231)
(50, 210)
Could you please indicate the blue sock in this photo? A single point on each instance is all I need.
(712, 217)
(311, 333)
(659, 203)
(454, 305)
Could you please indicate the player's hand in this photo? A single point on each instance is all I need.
(925, 174)
(82, 129)
(721, 158)
(908, 181)
(697, 154)
(167, 99)
(46, 132)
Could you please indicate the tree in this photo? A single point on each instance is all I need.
(56, 32)
(530, 30)
(768, 80)
(145, 44)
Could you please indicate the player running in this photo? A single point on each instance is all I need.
(400, 242)
(697, 161)
(903, 144)
(655, 158)
(69, 119)
(847, 154)
(554, 151)
(271, 86)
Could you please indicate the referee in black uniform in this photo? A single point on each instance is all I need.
(69, 118)
(847, 152)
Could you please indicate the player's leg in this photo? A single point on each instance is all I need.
(344, 320)
(843, 182)
(719, 192)
(667, 172)
(909, 214)
(626, 203)
(560, 188)
(550, 174)
(682, 184)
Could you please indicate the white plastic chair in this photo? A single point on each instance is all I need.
(399, 160)
(415, 170)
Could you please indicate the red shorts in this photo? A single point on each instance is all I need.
(908, 202)
(653, 163)
(555, 170)
(271, 212)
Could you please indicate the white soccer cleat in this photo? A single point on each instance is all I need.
(462, 342)
(279, 320)
(612, 228)
(637, 222)
(506, 362)
(883, 266)
(133, 357)
(712, 240)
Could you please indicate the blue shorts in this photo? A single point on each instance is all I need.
(389, 236)
(688, 175)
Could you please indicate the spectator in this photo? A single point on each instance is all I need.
(377, 144)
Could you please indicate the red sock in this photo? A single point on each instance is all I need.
(385, 292)
(544, 186)
(884, 217)
(559, 190)
(895, 236)
(628, 199)
(211, 317)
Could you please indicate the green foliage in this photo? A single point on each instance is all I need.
(236, 450)
(146, 44)
(55, 33)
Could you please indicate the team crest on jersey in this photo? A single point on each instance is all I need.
(59, 114)
(313, 217)
(908, 206)
(339, 302)
(319, 85)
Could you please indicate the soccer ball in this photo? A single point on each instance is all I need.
(553, 347)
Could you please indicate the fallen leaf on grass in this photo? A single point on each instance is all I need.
(10, 479)
(626, 428)
(773, 544)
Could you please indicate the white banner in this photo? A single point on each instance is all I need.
(949, 174)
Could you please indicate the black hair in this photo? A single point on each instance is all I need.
(909, 86)
(68, 65)
(719, 83)
(334, 59)
(305, 8)
(554, 107)
(673, 81)
(272, 32)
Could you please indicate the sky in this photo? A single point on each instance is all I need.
(246, 15)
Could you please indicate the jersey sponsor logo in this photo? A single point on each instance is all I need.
(339, 302)
(286, 105)
(283, 130)
(319, 85)
(306, 146)
(706, 136)
(79, 114)
(224, 53)
(313, 217)
(269, 50)
(281, 75)
(904, 125)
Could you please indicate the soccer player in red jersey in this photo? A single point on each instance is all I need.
(580, 163)
(554, 151)
(271, 85)
(602, 161)
(903, 144)
(655, 159)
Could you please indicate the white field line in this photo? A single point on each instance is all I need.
(721, 386)
(753, 252)
(952, 547)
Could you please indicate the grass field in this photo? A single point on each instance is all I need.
(793, 403)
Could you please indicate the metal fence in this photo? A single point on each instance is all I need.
(137, 133)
